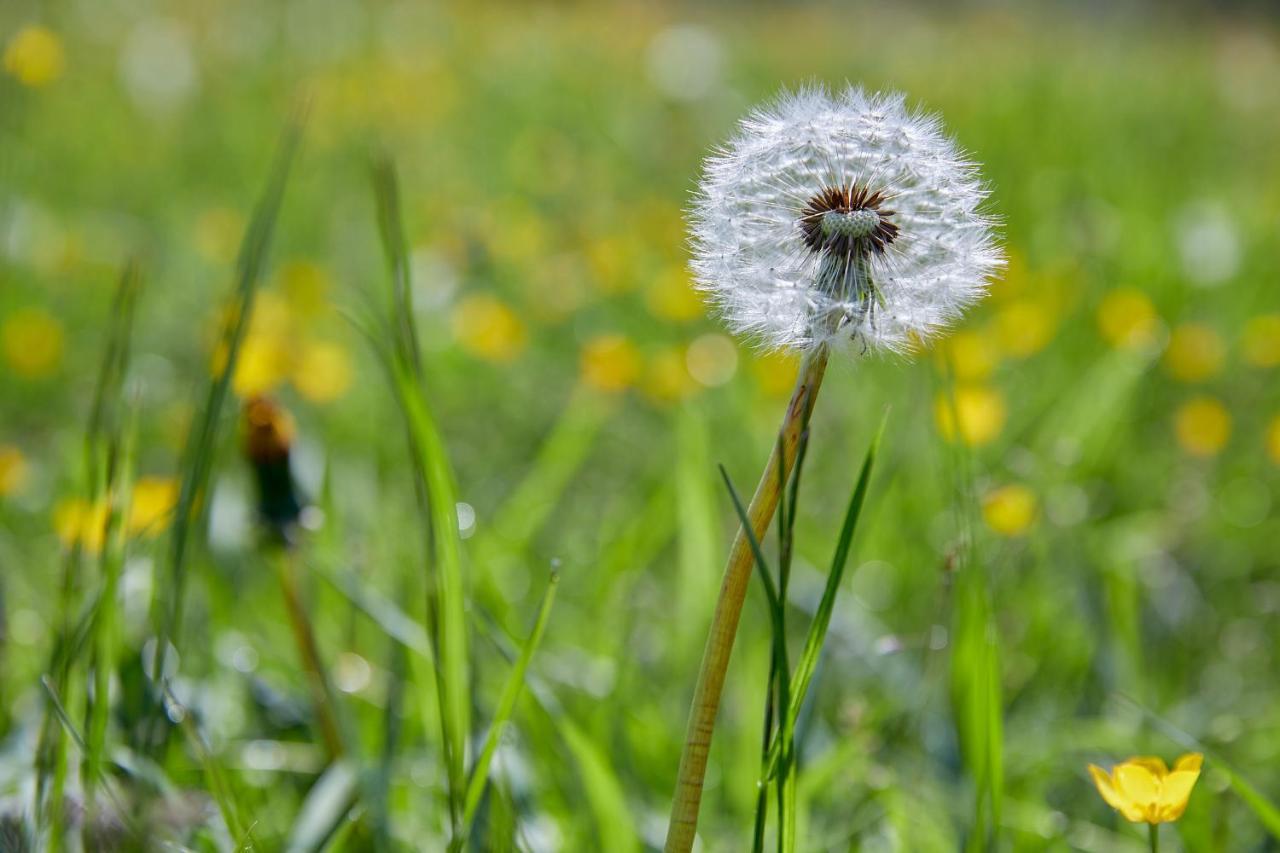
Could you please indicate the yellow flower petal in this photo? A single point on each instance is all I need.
(1106, 787)
(610, 363)
(1127, 319)
(323, 372)
(152, 504)
(1191, 761)
(34, 56)
(488, 328)
(32, 341)
(1140, 789)
(1195, 353)
(1203, 426)
(981, 411)
(1175, 790)
(1153, 763)
(1010, 510)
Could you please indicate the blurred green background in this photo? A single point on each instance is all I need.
(1117, 452)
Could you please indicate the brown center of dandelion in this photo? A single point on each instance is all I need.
(848, 222)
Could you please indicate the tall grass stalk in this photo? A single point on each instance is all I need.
(683, 826)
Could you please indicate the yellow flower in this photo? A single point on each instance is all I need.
(775, 372)
(322, 372)
(667, 379)
(1144, 790)
(1127, 319)
(486, 327)
(1273, 440)
(981, 411)
(151, 504)
(217, 234)
(76, 520)
(672, 296)
(1202, 425)
(261, 365)
(972, 355)
(1262, 341)
(610, 363)
(1024, 327)
(32, 341)
(13, 470)
(1195, 353)
(613, 261)
(34, 56)
(305, 285)
(1010, 510)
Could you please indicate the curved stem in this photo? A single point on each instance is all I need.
(724, 623)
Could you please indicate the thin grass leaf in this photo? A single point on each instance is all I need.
(437, 498)
(197, 457)
(325, 808)
(605, 798)
(216, 778)
(506, 705)
(807, 665)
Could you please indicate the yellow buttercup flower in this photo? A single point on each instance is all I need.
(981, 411)
(667, 379)
(972, 355)
(672, 296)
(1273, 440)
(32, 340)
(151, 504)
(1010, 510)
(1127, 319)
(486, 327)
(775, 372)
(1262, 341)
(1025, 327)
(34, 56)
(262, 364)
(1195, 353)
(1144, 790)
(77, 521)
(1202, 425)
(610, 363)
(13, 470)
(322, 371)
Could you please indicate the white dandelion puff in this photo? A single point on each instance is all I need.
(841, 218)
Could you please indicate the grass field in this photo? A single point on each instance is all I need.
(1068, 550)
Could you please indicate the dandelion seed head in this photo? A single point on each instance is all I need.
(839, 218)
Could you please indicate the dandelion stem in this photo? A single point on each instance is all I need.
(321, 692)
(724, 623)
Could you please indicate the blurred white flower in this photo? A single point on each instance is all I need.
(838, 218)
(1208, 243)
(157, 65)
(685, 61)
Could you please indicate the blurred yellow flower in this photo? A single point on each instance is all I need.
(1144, 790)
(217, 234)
(261, 365)
(34, 56)
(1273, 439)
(322, 371)
(610, 363)
(152, 504)
(13, 470)
(1262, 341)
(972, 355)
(1127, 319)
(1203, 426)
(613, 263)
(673, 297)
(32, 339)
(775, 372)
(77, 521)
(712, 359)
(1010, 510)
(487, 328)
(1025, 327)
(305, 285)
(981, 411)
(667, 379)
(1195, 353)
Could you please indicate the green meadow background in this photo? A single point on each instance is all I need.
(1069, 552)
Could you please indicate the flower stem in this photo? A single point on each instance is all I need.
(724, 623)
(1154, 837)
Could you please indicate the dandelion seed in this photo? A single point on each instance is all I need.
(841, 218)
(1144, 790)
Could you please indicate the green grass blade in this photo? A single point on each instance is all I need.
(605, 797)
(325, 808)
(197, 459)
(437, 494)
(506, 705)
(219, 787)
(808, 661)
